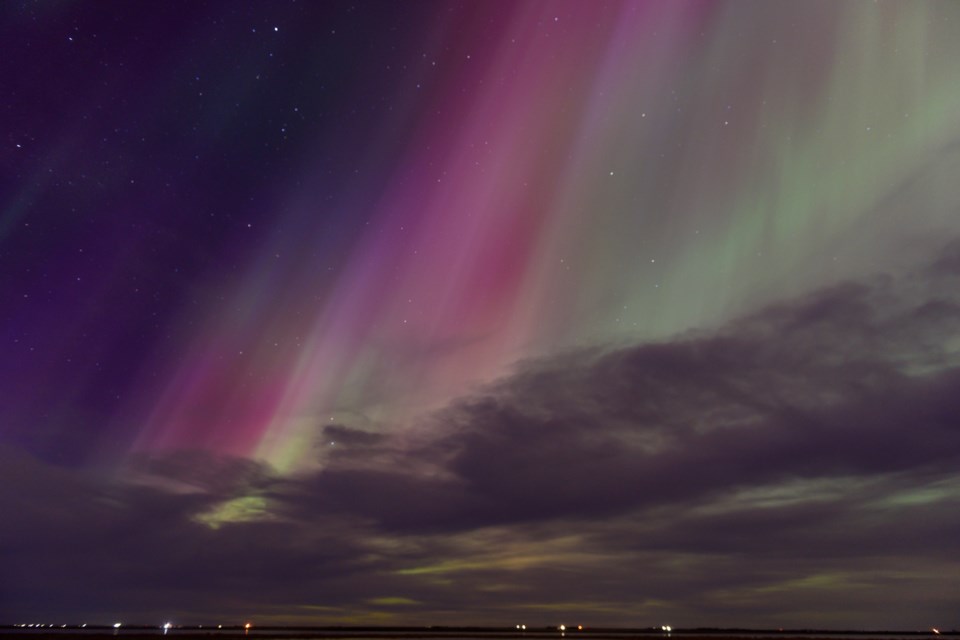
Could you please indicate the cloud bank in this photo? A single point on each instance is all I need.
(799, 465)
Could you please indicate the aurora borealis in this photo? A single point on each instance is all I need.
(615, 312)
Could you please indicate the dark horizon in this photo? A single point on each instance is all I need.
(466, 631)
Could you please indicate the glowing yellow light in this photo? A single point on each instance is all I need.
(563, 627)
(246, 626)
(579, 627)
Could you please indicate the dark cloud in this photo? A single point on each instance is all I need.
(804, 452)
(849, 382)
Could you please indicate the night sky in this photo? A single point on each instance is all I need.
(604, 312)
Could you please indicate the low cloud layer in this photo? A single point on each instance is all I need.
(798, 466)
